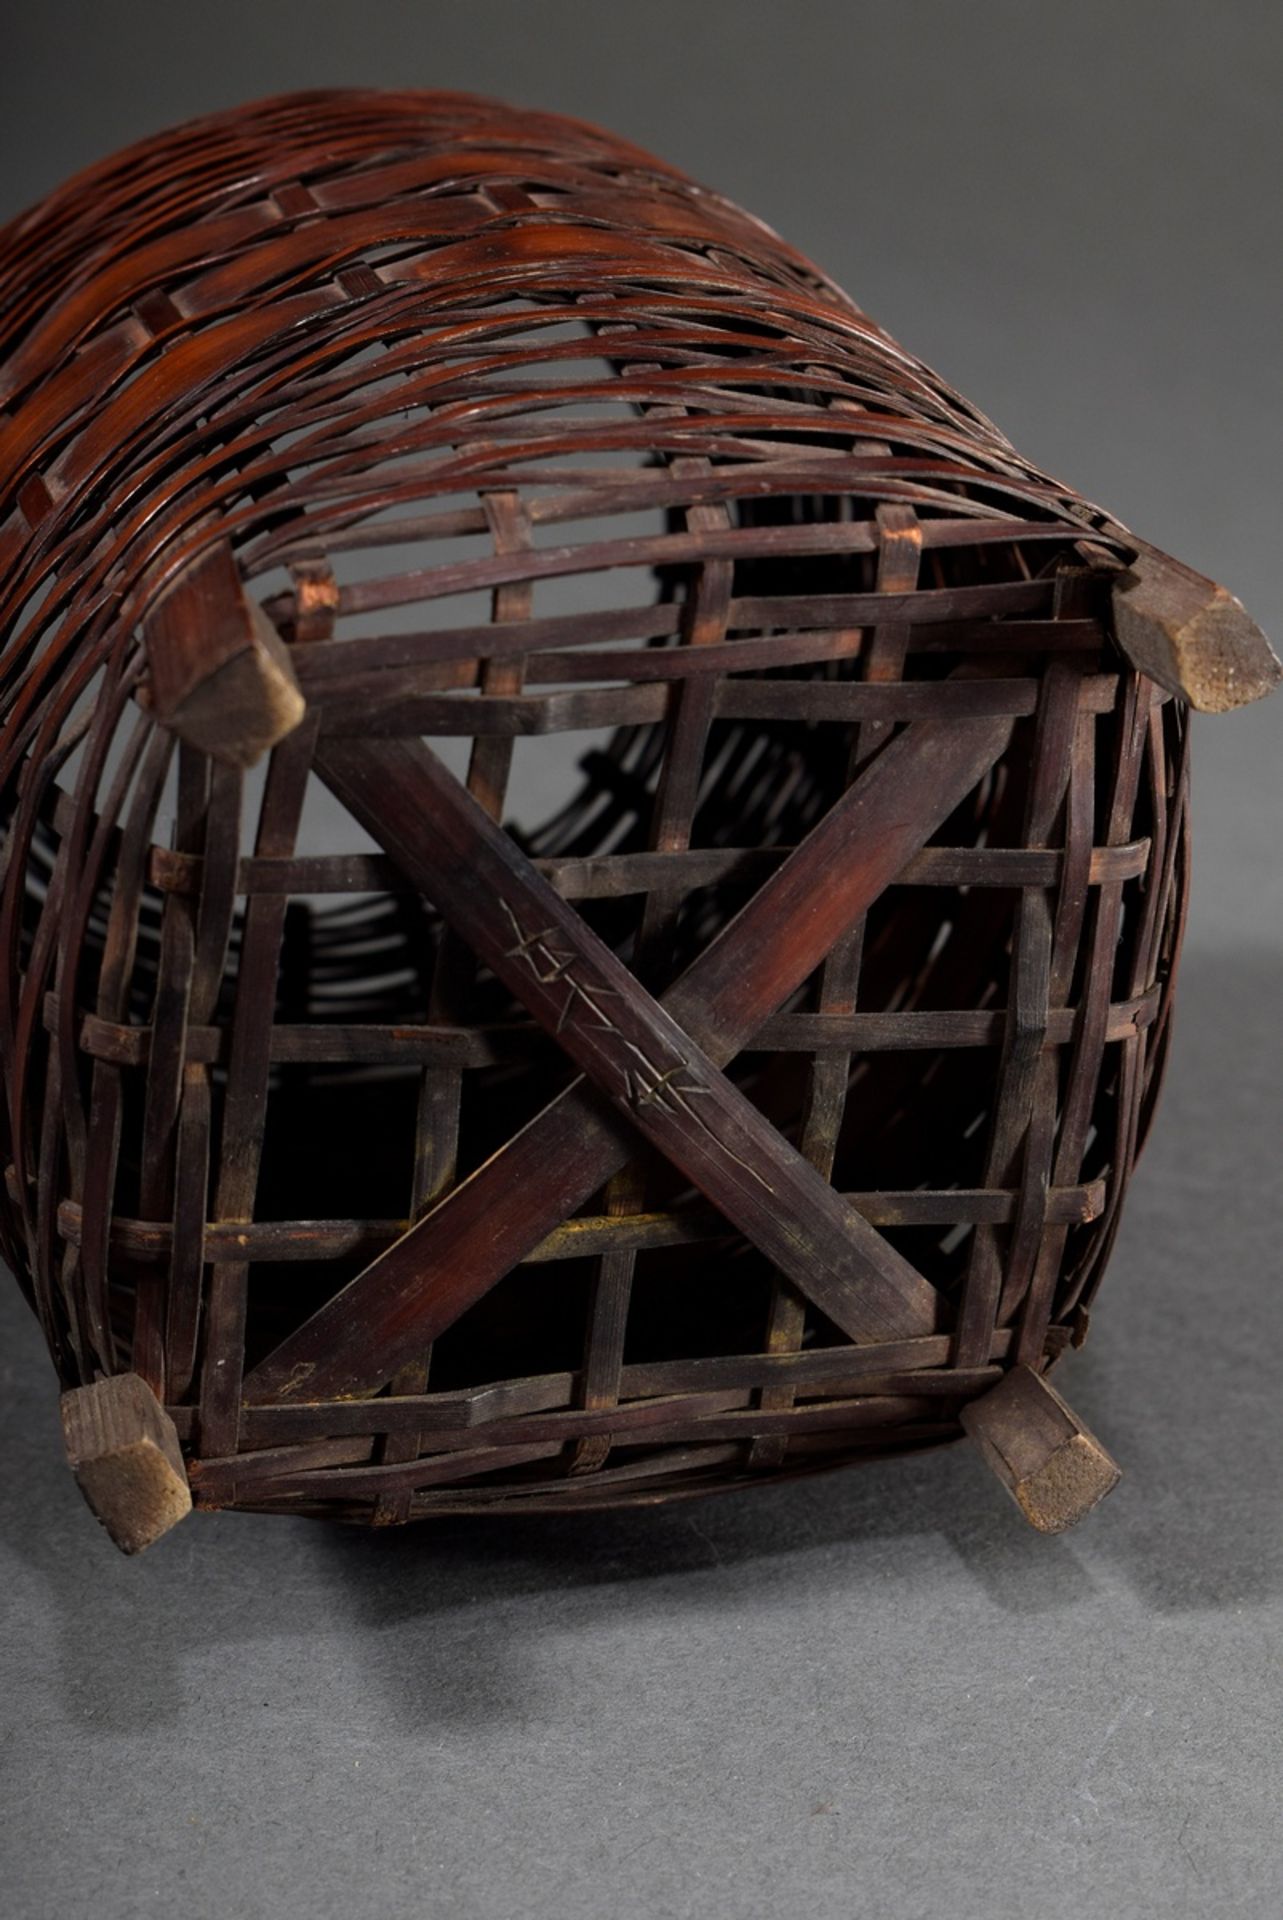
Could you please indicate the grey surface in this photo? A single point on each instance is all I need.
(873, 1694)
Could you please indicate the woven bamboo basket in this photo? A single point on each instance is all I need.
(375, 1150)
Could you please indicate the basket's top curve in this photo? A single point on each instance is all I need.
(273, 322)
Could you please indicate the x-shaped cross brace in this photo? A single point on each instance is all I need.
(649, 1066)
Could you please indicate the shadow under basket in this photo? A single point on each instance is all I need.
(387, 1136)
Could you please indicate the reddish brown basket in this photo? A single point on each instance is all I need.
(768, 1106)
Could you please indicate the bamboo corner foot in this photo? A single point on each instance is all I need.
(1190, 635)
(221, 677)
(1053, 1467)
(124, 1452)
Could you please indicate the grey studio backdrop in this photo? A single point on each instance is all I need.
(876, 1693)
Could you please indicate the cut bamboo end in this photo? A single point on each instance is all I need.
(1054, 1468)
(221, 677)
(124, 1452)
(1191, 636)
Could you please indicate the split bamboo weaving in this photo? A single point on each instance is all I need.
(759, 1108)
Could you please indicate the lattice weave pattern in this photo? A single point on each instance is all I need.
(755, 1108)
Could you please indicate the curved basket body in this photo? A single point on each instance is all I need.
(684, 998)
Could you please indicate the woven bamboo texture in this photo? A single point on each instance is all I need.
(757, 1111)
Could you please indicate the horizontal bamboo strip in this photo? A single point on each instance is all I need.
(219, 1477)
(901, 1366)
(586, 1235)
(612, 875)
(673, 549)
(577, 646)
(371, 1044)
(389, 704)
(634, 492)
